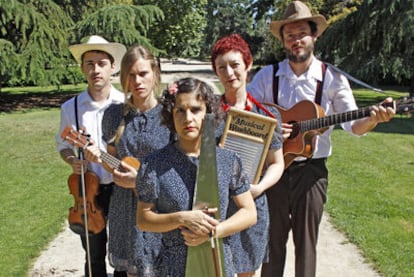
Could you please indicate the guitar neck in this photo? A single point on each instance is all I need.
(334, 119)
(110, 160)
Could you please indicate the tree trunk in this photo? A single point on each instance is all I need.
(412, 86)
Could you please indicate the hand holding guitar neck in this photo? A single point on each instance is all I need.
(305, 120)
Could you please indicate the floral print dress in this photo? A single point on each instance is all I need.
(167, 179)
(129, 248)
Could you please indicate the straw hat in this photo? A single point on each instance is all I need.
(297, 11)
(97, 43)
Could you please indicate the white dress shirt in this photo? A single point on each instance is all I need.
(337, 95)
(89, 117)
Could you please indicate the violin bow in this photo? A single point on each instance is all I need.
(85, 215)
(216, 256)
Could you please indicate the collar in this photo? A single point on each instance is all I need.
(247, 106)
(314, 71)
(115, 96)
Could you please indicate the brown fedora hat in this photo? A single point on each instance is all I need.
(297, 11)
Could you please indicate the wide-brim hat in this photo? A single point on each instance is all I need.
(97, 43)
(297, 11)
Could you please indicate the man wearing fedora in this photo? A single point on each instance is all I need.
(99, 60)
(296, 202)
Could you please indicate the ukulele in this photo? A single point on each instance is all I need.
(308, 120)
(110, 163)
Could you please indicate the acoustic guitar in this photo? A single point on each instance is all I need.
(308, 120)
(110, 163)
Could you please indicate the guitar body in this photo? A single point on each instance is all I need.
(131, 161)
(300, 143)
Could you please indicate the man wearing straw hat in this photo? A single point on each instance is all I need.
(99, 60)
(296, 202)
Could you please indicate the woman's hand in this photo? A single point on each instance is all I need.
(200, 222)
(192, 239)
(125, 178)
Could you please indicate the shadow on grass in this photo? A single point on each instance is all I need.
(11, 102)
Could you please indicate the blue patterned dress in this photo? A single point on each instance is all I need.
(251, 245)
(167, 179)
(130, 249)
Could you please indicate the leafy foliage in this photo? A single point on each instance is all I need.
(228, 17)
(181, 32)
(127, 24)
(34, 34)
(377, 36)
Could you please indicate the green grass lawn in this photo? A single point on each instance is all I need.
(371, 195)
(34, 197)
(370, 198)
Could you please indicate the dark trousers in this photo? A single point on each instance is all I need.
(97, 250)
(296, 203)
(97, 242)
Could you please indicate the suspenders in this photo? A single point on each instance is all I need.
(319, 85)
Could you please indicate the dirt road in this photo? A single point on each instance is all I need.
(336, 256)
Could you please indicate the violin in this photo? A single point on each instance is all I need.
(96, 221)
(95, 216)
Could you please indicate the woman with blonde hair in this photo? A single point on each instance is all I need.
(134, 130)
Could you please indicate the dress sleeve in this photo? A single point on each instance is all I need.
(147, 183)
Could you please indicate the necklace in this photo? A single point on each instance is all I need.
(247, 105)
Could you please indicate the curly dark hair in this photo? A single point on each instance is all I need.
(204, 93)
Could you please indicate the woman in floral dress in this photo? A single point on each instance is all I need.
(167, 179)
(232, 61)
(133, 129)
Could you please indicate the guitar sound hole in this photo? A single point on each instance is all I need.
(295, 129)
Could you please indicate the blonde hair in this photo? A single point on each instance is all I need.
(133, 54)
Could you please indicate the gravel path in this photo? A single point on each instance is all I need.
(336, 256)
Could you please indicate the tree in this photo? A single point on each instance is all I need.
(33, 34)
(181, 32)
(375, 42)
(36, 34)
(226, 17)
(333, 10)
(123, 23)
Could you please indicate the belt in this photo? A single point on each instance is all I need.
(313, 161)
